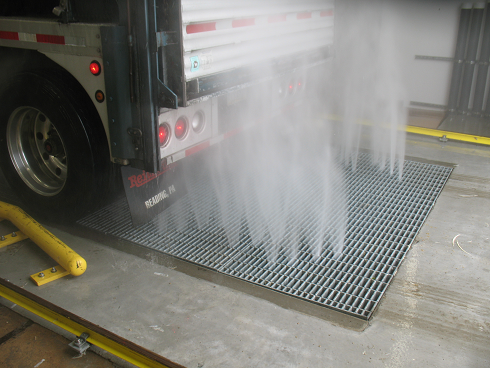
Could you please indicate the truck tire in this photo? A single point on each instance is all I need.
(53, 148)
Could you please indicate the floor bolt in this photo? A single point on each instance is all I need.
(14, 234)
(53, 270)
(41, 274)
(2, 238)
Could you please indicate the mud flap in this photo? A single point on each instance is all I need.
(148, 194)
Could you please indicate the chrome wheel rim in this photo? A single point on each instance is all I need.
(37, 151)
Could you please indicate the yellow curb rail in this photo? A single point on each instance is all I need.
(69, 261)
(95, 335)
(443, 134)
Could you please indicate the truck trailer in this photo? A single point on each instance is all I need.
(88, 87)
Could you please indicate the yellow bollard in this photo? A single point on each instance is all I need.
(55, 248)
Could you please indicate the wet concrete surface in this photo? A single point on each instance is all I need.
(435, 314)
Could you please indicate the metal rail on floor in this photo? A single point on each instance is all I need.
(69, 261)
(76, 325)
(441, 134)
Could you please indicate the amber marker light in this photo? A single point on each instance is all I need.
(99, 96)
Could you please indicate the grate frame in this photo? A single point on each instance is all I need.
(384, 216)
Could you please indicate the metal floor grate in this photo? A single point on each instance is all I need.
(384, 216)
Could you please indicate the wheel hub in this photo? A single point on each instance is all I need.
(53, 145)
(37, 151)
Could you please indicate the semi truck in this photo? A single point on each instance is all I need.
(88, 87)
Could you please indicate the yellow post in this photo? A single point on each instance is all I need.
(55, 248)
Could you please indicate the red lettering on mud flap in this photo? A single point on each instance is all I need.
(145, 177)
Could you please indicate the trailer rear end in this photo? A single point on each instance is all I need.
(144, 84)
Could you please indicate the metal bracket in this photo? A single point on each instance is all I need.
(12, 238)
(437, 58)
(48, 275)
(166, 97)
(80, 344)
(121, 161)
(136, 135)
(63, 11)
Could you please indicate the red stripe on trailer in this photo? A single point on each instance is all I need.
(200, 27)
(197, 148)
(57, 40)
(243, 22)
(326, 13)
(277, 18)
(303, 15)
(232, 132)
(6, 35)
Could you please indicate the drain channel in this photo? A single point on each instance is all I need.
(384, 216)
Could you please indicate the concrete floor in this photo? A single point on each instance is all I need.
(435, 314)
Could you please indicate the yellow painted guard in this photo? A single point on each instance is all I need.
(12, 239)
(427, 131)
(449, 135)
(55, 248)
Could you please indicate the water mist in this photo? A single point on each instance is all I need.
(279, 185)
(370, 89)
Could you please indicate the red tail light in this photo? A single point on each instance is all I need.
(95, 68)
(300, 85)
(181, 128)
(163, 134)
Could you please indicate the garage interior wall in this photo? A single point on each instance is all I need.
(420, 27)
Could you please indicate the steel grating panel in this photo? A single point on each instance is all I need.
(384, 216)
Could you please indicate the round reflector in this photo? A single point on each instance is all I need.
(163, 134)
(281, 92)
(99, 96)
(181, 127)
(198, 121)
(95, 68)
